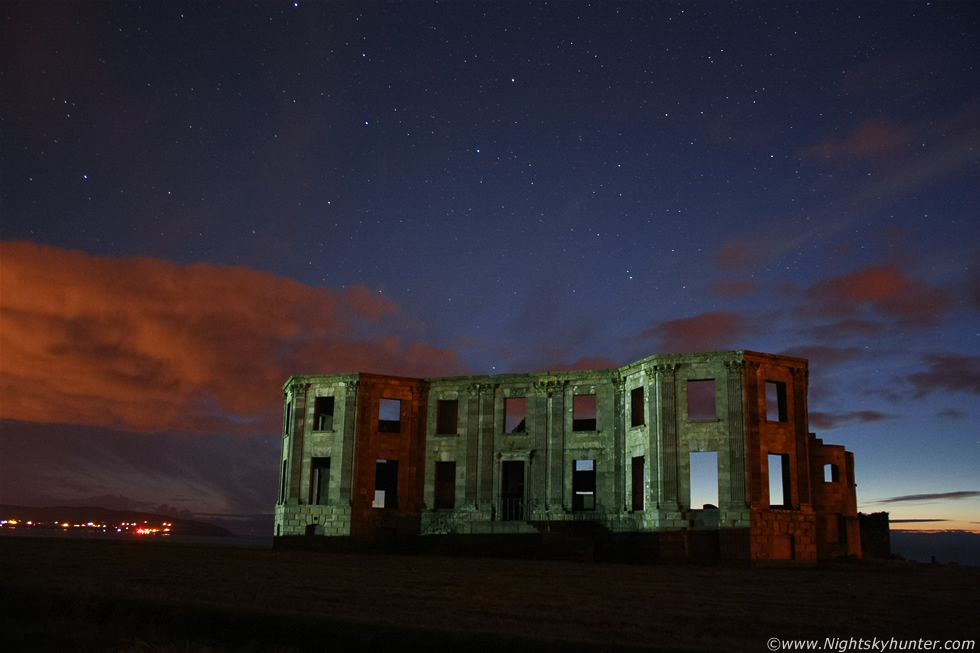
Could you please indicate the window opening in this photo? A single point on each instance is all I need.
(445, 485)
(447, 411)
(701, 399)
(385, 484)
(639, 482)
(323, 414)
(287, 417)
(779, 490)
(282, 484)
(704, 479)
(389, 415)
(636, 407)
(583, 485)
(515, 415)
(831, 473)
(319, 481)
(775, 401)
(584, 413)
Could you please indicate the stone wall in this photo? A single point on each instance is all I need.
(527, 453)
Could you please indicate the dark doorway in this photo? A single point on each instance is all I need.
(511, 490)
(386, 484)
(319, 481)
(639, 487)
(445, 485)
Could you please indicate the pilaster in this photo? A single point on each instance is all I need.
(737, 492)
(667, 427)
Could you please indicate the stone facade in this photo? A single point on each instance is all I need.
(370, 455)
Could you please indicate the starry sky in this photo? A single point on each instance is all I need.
(201, 199)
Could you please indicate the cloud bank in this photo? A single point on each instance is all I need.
(147, 345)
(940, 496)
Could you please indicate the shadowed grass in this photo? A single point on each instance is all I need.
(142, 596)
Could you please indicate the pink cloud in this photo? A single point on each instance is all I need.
(871, 138)
(741, 253)
(147, 345)
(705, 332)
(823, 355)
(828, 421)
(898, 151)
(886, 290)
(366, 305)
(590, 363)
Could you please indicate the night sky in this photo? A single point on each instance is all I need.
(200, 199)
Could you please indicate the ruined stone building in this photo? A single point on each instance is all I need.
(623, 449)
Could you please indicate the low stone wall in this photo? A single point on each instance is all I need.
(576, 541)
(783, 535)
(304, 520)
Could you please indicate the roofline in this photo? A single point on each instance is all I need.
(629, 368)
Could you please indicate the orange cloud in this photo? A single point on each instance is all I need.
(705, 332)
(589, 363)
(887, 290)
(147, 345)
(828, 421)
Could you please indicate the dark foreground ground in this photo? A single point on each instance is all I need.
(98, 595)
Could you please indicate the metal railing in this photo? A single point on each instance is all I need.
(447, 521)
(510, 510)
(440, 521)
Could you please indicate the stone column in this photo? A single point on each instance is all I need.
(753, 420)
(736, 494)
(652, 459)
(667, 427)
(619, 440)
(556, 445)
(488, 396)
(298, 437)
(539, 457)
(473, 436)
(349, 443)
(802, 435)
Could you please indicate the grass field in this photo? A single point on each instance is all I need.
(98, 595)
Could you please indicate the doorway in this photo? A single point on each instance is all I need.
(511, 490)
